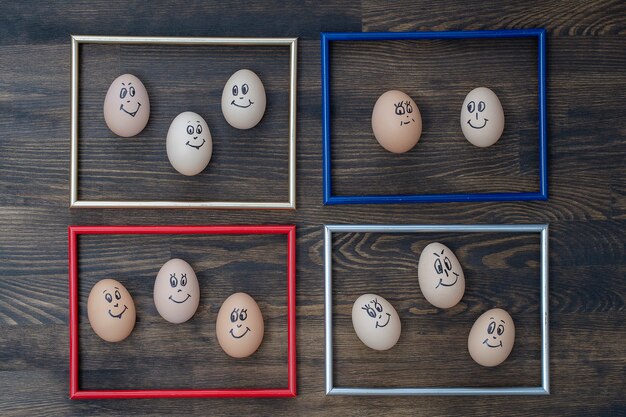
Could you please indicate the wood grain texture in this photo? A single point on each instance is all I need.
(586, 209)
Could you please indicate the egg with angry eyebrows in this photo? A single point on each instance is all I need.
(176, 291)
(375, 322)
(189, 144)
(126, 106)
(440, 276)
(239, 326)
(111, 310)
(243, 100)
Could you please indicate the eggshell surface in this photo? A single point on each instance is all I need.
(176, 291)
(482, 117)
(376, 322)
(239, 326)
(440, 276)
(111, 310)
(189, 144)
(243, 99)
(396, 121)
(126, 106)
(492, 336)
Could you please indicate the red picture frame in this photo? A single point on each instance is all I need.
(289, 230)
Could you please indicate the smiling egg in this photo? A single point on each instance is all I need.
(243, 100)
(396, 122)
(375, 322)
(239, 326)
(189, 144)
(176, 291)
(440, 276)
(491, 339)
(111, 310)
(126, 106)
(482, 117)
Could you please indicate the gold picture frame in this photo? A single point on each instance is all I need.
(77, 40)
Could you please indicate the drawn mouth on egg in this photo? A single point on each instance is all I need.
(118, 316)
(132, 114)
(388, 319)
(232, 333)
(180, 302)
(405, 123)
(492, 346)
(448, 285)
(194, 146)
(469, 122)
(242, 107)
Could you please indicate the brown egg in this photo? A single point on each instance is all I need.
(239, 325)
(127, 106)
(176, 291)
(492, 336)
(111, 310)
(396, 121)
(440, 276)
(376, 322)
(482, 117)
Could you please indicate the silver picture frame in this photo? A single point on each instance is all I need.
(77, 40)
(331, 389)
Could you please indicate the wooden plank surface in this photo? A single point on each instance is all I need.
(586, 209)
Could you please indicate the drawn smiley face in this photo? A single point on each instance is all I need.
(440, 276)
(495, 333)
(491, 338)
(239, 326)
(482, 117)
(375, 310)
(189, 145)
(237, 317)
(126, 106)
(194, 135)
(375, 322)
(243, 99)
(176, 291)
(111, 310)
(178, 284)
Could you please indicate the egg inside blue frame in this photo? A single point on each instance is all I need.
(330, 199)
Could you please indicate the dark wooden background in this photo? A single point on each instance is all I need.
(586, 209)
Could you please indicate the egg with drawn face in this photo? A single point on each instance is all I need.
(189, 144)
(440, 276)
(396, 122)
(491, 339)
(126, 106)
(375, 322)
(111, 310)
(482, 117)
(243, 100)
(239, 326)
(176, 291)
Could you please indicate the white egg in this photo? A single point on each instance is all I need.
(189, 144)
(482, 117)
(243, 100)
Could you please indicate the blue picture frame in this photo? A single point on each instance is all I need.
(330, 199)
